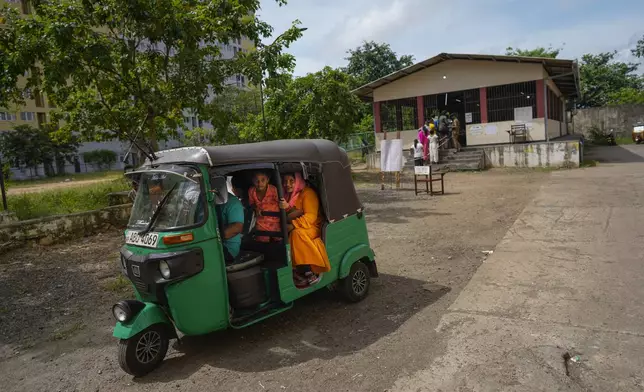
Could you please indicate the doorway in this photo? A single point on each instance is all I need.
(464, 104)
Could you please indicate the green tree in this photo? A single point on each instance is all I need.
(639, 48)
(539, 51)
(34, 146)
(603, 80)
(372, 61)
(318, 105)
(101, 159)
(116, 66)
(626, 95)
(228, 112)
(24, 145)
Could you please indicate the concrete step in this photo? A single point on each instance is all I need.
(454, 152)
(460, 159)
(463, 159)
(465, 166)
(462, 156)
(452, 159)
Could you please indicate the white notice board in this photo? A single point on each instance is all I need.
(523, 114)
(421, 170)
(468, 118)
(391, 155)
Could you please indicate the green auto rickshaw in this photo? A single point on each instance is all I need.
(174, 256)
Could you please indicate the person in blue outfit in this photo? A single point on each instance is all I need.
(231, 223)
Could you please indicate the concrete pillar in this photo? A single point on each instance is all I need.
(483, 104)
(376, 117)
(420, 109)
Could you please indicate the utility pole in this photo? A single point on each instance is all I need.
(261, 97)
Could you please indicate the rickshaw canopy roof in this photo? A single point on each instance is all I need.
(337, 194)
(299, 150)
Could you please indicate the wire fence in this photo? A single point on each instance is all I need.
(359, 145)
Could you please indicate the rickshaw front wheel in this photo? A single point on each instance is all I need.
(355, 286)
(145, 351)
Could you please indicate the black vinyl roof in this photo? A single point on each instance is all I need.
(291, 150)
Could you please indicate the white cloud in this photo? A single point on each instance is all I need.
(425, 28)
(377, 23)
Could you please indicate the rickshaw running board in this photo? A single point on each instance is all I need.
(270, 314)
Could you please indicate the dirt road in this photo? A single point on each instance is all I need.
(55, 321)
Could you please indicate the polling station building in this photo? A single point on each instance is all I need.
(488, 93)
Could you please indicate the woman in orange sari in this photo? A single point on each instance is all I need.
(307, 249)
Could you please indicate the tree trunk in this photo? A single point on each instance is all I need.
(60, 165)
(152, 130)
(49, 168)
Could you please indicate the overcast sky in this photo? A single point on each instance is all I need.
(424, 28)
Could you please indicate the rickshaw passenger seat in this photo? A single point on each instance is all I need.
(245, 259)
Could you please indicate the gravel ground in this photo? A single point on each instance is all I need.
(55, 322)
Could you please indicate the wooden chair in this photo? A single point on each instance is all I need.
(518, 133)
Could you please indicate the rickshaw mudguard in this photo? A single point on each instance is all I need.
(357, 253)
(151, 314)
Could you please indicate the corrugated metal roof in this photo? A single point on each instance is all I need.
(564, 73)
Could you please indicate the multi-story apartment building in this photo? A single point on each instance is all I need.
(35, 111)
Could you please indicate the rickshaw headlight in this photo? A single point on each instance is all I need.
(121, 313)
(164, 268)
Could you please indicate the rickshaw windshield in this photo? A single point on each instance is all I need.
(175, 191)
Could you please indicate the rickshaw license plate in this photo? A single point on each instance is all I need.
(148, 240)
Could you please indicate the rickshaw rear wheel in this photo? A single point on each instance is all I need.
(355, 286)
(145, 351)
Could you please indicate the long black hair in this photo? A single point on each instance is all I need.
(415, 143)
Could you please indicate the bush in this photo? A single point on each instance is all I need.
(66, 201)
(6, 173)
(597, 136)
(102, 159)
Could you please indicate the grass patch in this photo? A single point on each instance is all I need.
(118, 285)
(64, 201)
(589, 163)
(74, 177)
(68, 332)
(624, 140)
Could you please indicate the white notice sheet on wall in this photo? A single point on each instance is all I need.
(476, 130)
(523, 114)
(391, 155)
(468, 118)
(491, 130)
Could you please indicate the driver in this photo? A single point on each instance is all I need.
(231, 217)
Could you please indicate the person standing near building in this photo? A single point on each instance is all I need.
(365, 148)
(433, 146)
(443, 129)
(423, 138)
(456, 131)
(419, 151)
